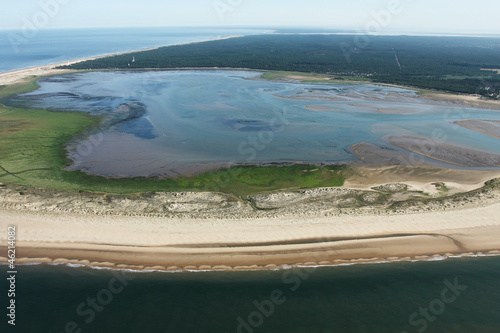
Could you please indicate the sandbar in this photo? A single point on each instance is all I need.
(445, 152)
(487, 127)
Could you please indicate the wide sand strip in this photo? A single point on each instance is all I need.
(196, 244)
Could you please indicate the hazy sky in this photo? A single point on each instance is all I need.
(455, 16)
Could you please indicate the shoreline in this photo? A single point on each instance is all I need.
(20, 75)
(206, 269)
(180, 244)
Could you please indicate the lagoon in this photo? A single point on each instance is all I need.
(170, 123)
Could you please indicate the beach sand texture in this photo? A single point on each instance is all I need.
(312, 233)
(204, 244)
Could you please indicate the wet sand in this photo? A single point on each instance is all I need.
(322, 108)
(487, 127)
(431, 98)
(474, 101)
(447, 153)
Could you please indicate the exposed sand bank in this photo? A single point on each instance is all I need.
(446, 152)
(430, 98)
(487, 127)
(491, 69)
(463, 100)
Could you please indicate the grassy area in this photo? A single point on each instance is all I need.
(251, 180)
(32, 153)
(19, 88)
(313, 77)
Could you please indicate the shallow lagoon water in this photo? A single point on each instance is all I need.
(187, 121)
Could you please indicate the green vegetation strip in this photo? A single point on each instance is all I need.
(312, 77)
(32, 153)
(18, 88)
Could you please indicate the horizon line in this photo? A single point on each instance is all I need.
(305, 30)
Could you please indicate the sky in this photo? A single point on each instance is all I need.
(391, 16)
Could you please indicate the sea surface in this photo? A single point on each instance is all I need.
(452, 296)
(177, 122)
(21, 50)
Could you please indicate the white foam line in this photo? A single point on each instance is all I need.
(278, 268)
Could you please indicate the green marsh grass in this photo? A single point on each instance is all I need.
(33, 153)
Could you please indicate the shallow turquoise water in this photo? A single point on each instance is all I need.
(361, 298)
(195, 119)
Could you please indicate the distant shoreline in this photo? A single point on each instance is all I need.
(20, 75)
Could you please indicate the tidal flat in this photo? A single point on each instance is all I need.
(183, 123)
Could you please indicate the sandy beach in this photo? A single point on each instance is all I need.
(307, 229)
(226, 244)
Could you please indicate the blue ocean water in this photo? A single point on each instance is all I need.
(55, 46)
(452, 296)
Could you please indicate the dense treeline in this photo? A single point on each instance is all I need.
(445, 63)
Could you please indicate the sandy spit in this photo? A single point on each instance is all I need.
(250, 243)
